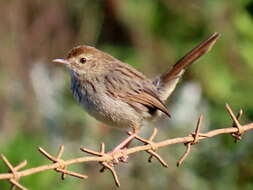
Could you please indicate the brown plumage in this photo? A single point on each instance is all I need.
(116, 93)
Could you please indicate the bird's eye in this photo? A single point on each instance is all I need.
(82, 60)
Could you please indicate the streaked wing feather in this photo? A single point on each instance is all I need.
(130, 88)
(149, 101)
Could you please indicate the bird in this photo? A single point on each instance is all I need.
(117, 94)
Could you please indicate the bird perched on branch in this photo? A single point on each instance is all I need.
(117, 94)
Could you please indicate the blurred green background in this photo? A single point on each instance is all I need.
(37, 108)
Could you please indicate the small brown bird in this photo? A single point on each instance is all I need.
(117, 94)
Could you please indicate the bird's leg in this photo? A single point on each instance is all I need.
(124, 144)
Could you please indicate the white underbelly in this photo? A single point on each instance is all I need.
(114, 113)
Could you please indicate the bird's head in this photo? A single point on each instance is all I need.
(84, 59)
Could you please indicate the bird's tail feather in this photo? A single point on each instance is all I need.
(166, 83)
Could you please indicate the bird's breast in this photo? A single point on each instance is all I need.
(104, 108)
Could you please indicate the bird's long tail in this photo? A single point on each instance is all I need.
(167, 82)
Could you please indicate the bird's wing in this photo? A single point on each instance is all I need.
(132, 87)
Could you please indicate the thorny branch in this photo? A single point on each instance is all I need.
(108, 160)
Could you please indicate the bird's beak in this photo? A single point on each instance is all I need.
(61, 61)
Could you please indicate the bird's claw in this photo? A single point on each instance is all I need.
(118, 156)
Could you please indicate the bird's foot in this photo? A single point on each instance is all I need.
(118, 156)
(119, 151)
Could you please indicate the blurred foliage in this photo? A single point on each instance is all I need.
(37, 108)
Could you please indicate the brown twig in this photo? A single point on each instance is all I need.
(105, 164)
(183, 157)
(237, 135)
(153, 147)
(112, 170)
(107, 160)
(61, 168)
(188, 145)
(14, 172)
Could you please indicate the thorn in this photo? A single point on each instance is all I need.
(196, 133)
(102, 148)
(235, 119)
(7, 163)
(59, 154)
(183, 157)
(89, 151)
(46, 154)
(18, 185)
(102, 169)
(158, 157)
(232, 116)
(21, 165)
(154, 133)
(74, 174)
(114, 174)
